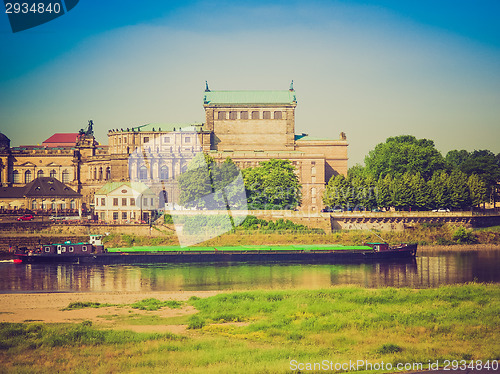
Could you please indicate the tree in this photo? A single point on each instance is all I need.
(402, 193)
(402, 154)
(459, 190)
(456, 158)
(384, 197)
(272, 185)
(477, 190)
(420, 191)
(206, 184)
(485, 165)
(338, 192)
(439, 190)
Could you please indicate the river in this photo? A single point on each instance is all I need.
(429, 269)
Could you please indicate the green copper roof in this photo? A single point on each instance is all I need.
(111, 186)
(310, 138)
(164, 127)
(250, 97)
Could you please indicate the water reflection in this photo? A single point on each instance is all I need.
(428, 270)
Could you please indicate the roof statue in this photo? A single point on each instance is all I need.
(291, 86)
(90, 129)
(206, 87)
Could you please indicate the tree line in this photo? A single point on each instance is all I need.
(406, 173)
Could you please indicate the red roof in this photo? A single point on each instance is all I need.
(61, 139)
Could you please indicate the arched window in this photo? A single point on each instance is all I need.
(95, 173)
(278, 115)
(108, 173)
(65, 176)
(267, 114)
(39, 174)
(53, 205)
(164, 173)
(143, 173)
(15, 176)
(100, 173)
(27, 176)
(53, 173)
(33, 204)
(72, 204)
(255, 115)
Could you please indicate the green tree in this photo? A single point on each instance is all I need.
(420, 192)
(459, 190)
(206, 184)
(402, 193)
(272, 185)
(384, 197)
(402, 154)
(338, 192)
(485, 165)
(456, 158)
(477, 190)
(439, 190)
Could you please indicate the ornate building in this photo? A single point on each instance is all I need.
(247, 126)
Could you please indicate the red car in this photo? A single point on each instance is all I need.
(26, 217)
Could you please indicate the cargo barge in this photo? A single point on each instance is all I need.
(94, 252)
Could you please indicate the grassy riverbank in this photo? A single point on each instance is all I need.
(424, 235)
(263, 331)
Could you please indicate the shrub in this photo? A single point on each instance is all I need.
(463, 236)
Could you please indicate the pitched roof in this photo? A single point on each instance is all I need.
(48, 187)
(250, 97)
(62, 138)
(111, 186)
(11, 192)
(40, 188)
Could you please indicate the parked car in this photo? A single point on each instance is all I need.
(441, 210)
(26, 217)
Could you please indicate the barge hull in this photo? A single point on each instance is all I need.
(311, 256)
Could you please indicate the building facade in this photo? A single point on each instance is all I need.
(247, 126)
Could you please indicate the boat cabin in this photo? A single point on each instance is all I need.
(70, 249)
(379, 247)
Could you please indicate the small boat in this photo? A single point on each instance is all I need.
(94, 252)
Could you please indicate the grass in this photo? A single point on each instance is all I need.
(262, 331)
(85, 304)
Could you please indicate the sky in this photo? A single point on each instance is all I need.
(371, 69)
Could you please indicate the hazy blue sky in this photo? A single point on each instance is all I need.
(372, 69)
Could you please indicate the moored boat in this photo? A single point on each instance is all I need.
(94, 252)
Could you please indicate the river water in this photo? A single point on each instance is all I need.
(429, 269)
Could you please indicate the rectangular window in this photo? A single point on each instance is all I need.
(221, 115)
(187, 139)
(132, 201)
(103, 216)
(96, 202)
(115, 201)
(145, 202)
(63, 249)
(166, 139)
(255, 115)
(115, 216)
(146, 139)
(232, 115)
(124, 215)
(103, 201)
(267, 114)
(244, 115)
(278, 115)
(152, 202)
(124, 201)
(47, 249)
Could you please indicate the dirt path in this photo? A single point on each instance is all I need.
(46, 307)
